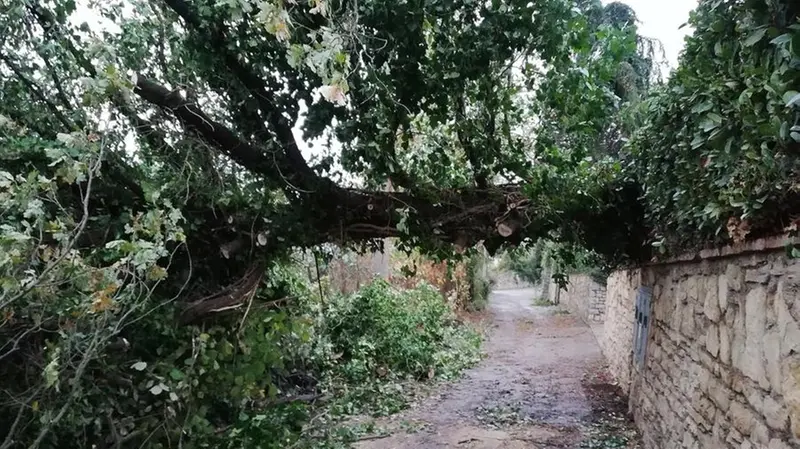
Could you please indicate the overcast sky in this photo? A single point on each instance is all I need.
(660, 19)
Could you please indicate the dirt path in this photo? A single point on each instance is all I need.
(542, 385)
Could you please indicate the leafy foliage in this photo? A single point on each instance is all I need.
(156, 182)
(380, 337)
(530, 263)
(717, 151)
(435, 105)
(223, 385)
(96, 350)
(526, 263)
(393, 332)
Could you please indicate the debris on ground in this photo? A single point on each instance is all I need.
(543, 385)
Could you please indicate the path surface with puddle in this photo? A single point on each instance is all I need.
(543, 384)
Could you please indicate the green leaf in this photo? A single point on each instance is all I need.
(139, 366)
(51, 373)
(755, 37)
(711, 121)
(792, 98)
(782, 39)
(702, 107)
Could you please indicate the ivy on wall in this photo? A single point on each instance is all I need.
(718, 152)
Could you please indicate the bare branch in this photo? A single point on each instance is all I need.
(9, 440)
(34, 90)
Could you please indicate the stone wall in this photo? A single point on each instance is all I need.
(583, 296)
(722, 367)
(616, 340)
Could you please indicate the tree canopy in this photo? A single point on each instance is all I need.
(458, 105)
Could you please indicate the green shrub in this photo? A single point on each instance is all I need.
(527, 263)
(388, 332)
(718, 151)
(561, 259)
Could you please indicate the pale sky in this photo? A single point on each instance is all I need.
(660, 19)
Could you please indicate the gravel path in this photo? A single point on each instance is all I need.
(542, 385)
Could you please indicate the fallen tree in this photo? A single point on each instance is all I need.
(230, 107)
(161, 162)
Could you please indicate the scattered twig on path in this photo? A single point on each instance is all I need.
(301, 398)
(374, 437)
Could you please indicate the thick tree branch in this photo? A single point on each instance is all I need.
(301, 174)
(495, 214)
(336, 213)
(217, 134)
(347, 214)
(229, 299)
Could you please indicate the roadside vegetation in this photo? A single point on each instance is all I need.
(166, 166)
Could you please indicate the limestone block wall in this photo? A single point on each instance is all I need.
(722, 367)
(616, 340)
(583, 296)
